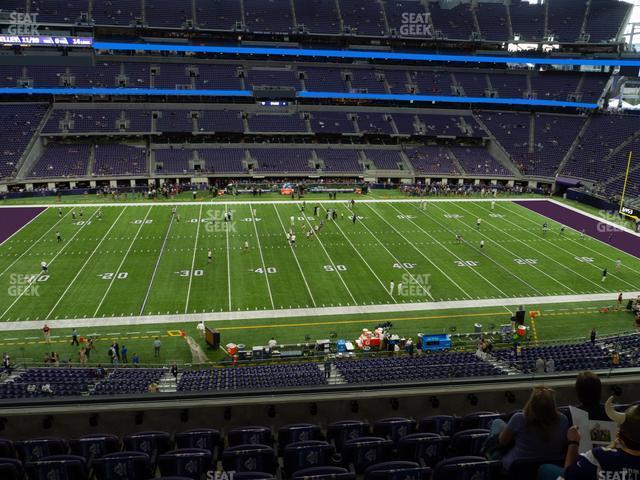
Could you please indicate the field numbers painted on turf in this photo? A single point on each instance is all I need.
(452, 215)
(584, 259)
(466, 263)
(111, 275)
(406, 217)
(406, 266)
(249, 219)
(268, 270)
(80, 223)
(496, 215)
(188, 273)
(526, 261)
(140, 222)
(200, 220)
(339, 268)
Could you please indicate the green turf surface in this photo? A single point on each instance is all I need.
(140, 260)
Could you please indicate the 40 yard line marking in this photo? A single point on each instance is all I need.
(122, 262)
(293, 250)
(36, 276)
(155, 269)
(193, 261)
(264, 266)
(81, 269)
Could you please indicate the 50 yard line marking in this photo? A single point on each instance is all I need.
(122, 262)
(81, 269)
(36, 276)
(264, 266)
(296, 258)
(193, 261)
(155, 269)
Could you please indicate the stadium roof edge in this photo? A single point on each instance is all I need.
(362, 54)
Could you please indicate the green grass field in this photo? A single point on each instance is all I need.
(138, 260)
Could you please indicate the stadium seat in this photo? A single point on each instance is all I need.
(37, 448)
(468, 442)
(123, 466)
(68, 467)
(7, 449)
(298, 432)
(11, 469)
(152, 443)
(301, 455)
(249, 458)
(95, 446)
(393, 428)
(361, 452)
(466, 468)
(250, 435)
(189, 462)
(324, 473)
(424, 448)
(252, 476)
(206, 438)
(444, 425)
(477, 420)
(397, 471)
(340, 432)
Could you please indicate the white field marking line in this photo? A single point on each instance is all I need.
(390, 308)
(155, 269)
(581, 244)
(115, 275)
(594, 217)
(26, 225)
(316, 236)
(81, 269)
(36, 276)
(228, 260)
(455, 255)
(384, 287)
(565, 267)
(284, 202)
(193, 260)
(34, 243)
(264, 265)
(295, 256)
(511, 253)
(422, 254)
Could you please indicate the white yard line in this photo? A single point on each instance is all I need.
(565, 267)
(591, 215)
(25, 226)
(115, 275)
(155, 269)
(264, 266)
(81, 269)
(316, 236)
(193, 261)
(451, 252)
(422, 254)
(226, 228)
(390, 308)
(36, 276)
(295, 256)
(582, 245)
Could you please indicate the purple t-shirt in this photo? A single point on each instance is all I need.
(532, 444)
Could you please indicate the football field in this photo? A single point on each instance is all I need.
(139, 259)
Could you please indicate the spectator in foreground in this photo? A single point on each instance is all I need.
(538, 431)
(589, 391)
(619, 460)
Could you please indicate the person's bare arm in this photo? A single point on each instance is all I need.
(506, 437)
(573, 437)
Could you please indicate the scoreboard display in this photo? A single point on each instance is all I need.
(45, 41)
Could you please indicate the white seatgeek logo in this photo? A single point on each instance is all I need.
(23, 24)
(415, 25)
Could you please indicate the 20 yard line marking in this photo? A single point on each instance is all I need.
(81, 269)
(35, 277)
(122, 262)
(155, 269)
(264, 266)
(193, 261)
(293, 251)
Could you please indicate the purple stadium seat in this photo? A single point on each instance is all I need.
(250, 435)
(444, 425)
(477, 420)
(468, 442)
(298, 432)
(152, 443)
(393, 428)
(253, 476)
(69, 467)
(464, 468)
(324, 473)
(188, 462)
(307, 454)
(340, 432)
(7, 449)
(249, 458)
(95, 446)
(361, 452)
(123, 466)
(424, 448)
(11, 469)
(397, 470)
(203, 438)
(38, 448)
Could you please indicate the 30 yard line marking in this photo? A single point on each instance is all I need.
(293, 251)
(81, 269)
(316, 236)
(155, 269)
(193, 261)
(36, 276)
(422, 254)
(33, 244)
(264, 266)
(122, 263)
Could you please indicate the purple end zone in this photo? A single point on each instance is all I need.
(620, 239)
(13, 219)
